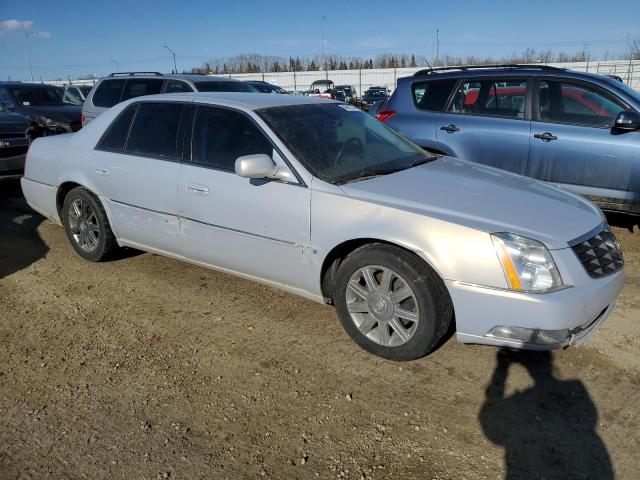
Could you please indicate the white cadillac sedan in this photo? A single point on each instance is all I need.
(322, 200)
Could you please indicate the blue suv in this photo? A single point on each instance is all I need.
(576, 130)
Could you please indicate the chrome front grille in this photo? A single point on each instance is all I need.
(600, 255)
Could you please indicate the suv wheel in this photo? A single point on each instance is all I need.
(391, 302)
(87, 226)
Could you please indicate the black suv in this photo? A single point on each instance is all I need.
(14, 142)
(46, 105)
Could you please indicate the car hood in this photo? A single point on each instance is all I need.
(13, 122)
(484, 198)
(64, 114)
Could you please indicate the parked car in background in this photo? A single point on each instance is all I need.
(118, 87)
(14, 142)
(322, 89)
(265, 87)
(372, 96)
(46, 105)
(576, 130)
(340, 95)
(350, 93)
(320, 199)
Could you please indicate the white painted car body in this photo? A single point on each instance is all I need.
(283, 233)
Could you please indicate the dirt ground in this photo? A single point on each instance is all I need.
(144, 368)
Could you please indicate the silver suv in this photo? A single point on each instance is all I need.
(122, 86)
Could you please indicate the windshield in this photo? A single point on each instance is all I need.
(43, 96)
(375, 93)
(222, 86)
(339, 143)
(71, 96)
(629, 91)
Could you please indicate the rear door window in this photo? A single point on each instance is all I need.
(108, 92)
(115, 137)
(154, 131)
(432, 95)
(576, 104)
(137, 87)
(175, 86)
(493, 97)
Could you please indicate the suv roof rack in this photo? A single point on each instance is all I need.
(429, 71)
(132, 74)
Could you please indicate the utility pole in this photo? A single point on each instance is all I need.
(26, 48)
(322, 19)
(117, 64)
(437, 48)
(175, 68)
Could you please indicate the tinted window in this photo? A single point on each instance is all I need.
(491, 97)
(432, 95)
(108, 93)
(116, 136)
(155, 129)
(339, 143)
(222, 86)
(221, 136)
(563, 102)
(174, 86)
(137, 87)
(42, 96)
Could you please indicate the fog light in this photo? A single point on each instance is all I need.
(528, 335)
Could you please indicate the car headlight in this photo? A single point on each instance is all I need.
(528, 266)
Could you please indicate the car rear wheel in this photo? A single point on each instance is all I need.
(391, 302)
(87, 226)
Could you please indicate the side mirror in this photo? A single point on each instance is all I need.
(259, 165)
(627, 120)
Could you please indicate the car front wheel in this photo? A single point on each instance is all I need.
(391, 302)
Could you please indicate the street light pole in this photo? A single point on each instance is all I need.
(437, 47)
(322, 19)
(175, 68)
(26, 48)
(117, 64)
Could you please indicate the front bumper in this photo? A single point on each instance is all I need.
(579, 309)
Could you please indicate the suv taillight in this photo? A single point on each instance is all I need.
(384, 115)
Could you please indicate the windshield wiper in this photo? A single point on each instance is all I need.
(369, 174)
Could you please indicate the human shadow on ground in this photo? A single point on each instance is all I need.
(548, 431)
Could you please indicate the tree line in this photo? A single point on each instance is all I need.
(256, 63)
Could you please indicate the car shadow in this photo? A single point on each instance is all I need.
(548, 430)
(20, 243)
(623, 220)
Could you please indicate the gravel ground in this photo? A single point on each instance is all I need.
(144, 368)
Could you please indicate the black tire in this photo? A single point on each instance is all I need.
(106, 243)
(435, 310)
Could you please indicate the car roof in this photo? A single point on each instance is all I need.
(247, 100)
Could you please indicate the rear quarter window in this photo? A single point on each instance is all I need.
(115, 137)
(432, 95)
(108, 92)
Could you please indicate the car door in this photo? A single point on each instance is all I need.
(574, 146)
(487, 122)
(253, 227)
(136, 166)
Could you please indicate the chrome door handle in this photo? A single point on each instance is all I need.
(450, 128)
(199, 190)
(103, 171)
(545, 137)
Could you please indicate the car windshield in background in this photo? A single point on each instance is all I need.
(338, 143)
(217, 86)
(375, 94)
(43, 96)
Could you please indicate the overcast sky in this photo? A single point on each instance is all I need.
(77, 38)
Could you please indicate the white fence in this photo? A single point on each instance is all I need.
(628, 70)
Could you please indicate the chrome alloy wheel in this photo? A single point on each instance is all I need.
(382, 305)
(83, 224)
